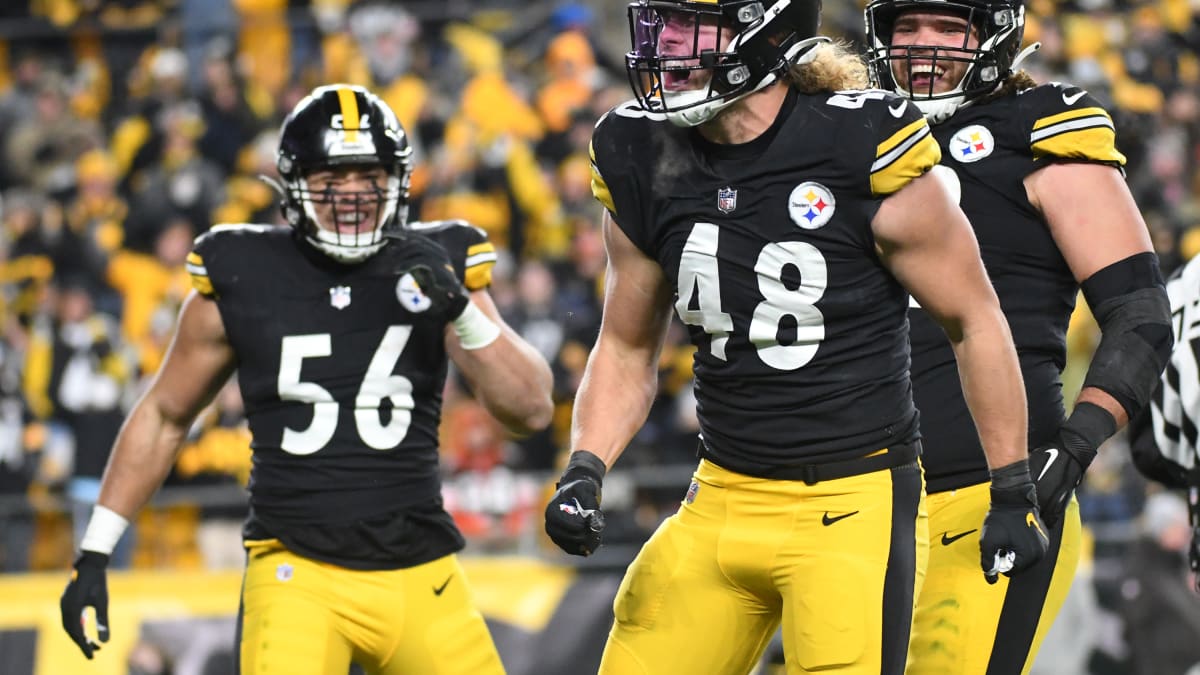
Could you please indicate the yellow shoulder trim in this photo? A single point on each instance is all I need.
(904, 156)
(600, 188)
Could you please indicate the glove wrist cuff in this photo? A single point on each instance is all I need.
(1092, 424)
(1011, 475)
(91, 559)
(586, 465)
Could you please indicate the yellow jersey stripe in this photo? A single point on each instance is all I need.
(1096, 144)
(479, 276)
(1068, 115)
(203, 285)
(910, 159)
(899, 138)
(485, 247)
(600, 188)
(349, 104)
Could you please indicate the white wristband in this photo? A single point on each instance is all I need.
(104, 529)
(474, 329)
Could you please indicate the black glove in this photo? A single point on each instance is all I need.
(87, 588)
(574, 520)
(430, 266)
(1059, 466)
(1013, 537)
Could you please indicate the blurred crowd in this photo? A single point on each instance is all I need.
(128, 127)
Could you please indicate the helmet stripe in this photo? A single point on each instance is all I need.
(349, 103)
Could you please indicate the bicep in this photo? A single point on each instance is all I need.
(198, 362)
(925, 240)
(1090, 213)
(637, 297)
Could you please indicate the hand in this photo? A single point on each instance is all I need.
(1058, 467)
(87, 588)
(430, 267)
(574, 520)
(1013, 537)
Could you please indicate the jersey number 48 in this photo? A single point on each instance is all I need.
(699, 277)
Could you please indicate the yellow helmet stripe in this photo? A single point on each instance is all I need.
(349, 103)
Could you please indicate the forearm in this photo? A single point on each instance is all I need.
(995, 393)
(613, 400)
(513, 382)
(142, 457)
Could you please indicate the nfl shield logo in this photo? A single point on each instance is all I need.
(726, 199)
(339, 297)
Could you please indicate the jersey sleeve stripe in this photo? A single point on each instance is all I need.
(1089, 122)
(600, 188)
(481, 258)
(911, 158)
(898, 142)
(1051, 120)
(1094, 143)
(482, 247)
(479, 276)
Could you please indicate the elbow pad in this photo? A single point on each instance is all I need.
(1129, 300)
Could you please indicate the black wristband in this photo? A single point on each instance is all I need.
(1011, 475)
(1092, 423)
(91, 559)
(584, 464)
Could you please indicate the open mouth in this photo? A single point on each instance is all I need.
(352, 222)
(925, 77)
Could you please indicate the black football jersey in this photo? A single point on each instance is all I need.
(992, 147)
(341, 368)
(800, 332)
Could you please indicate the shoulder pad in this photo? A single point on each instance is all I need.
(903, 147)
(209, 245)
(1066, 122)
(469, 247)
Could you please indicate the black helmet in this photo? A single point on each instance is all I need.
(768, 37)
(1000, 25)
(343, 125)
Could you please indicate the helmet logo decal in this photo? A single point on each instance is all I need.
(339, 297)
(971, 144)
(342, 141)
(726, 199)
(811, 205)
(410, 296)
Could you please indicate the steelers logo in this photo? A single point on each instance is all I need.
(972, 144)
(410, 296)
(810, 205)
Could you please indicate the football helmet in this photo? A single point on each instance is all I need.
(674, 48)
(1000, 25)
(336, 126)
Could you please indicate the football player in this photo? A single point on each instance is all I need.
(1041, 181)
(785, 216)
(1163, 436)
(340, 328)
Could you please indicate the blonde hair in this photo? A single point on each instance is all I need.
(834, 66)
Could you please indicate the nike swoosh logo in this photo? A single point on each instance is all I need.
(827, 521)
(437, 590)
(947, 539)
(1053, 452)
(1071, 99)
(897, 111)
(1032, 522)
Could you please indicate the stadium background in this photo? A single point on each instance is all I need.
(129, 126)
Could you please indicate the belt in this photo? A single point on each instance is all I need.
(892, 457)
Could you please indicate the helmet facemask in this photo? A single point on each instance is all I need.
(911, 70)
(348, 225)
(714, 53)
